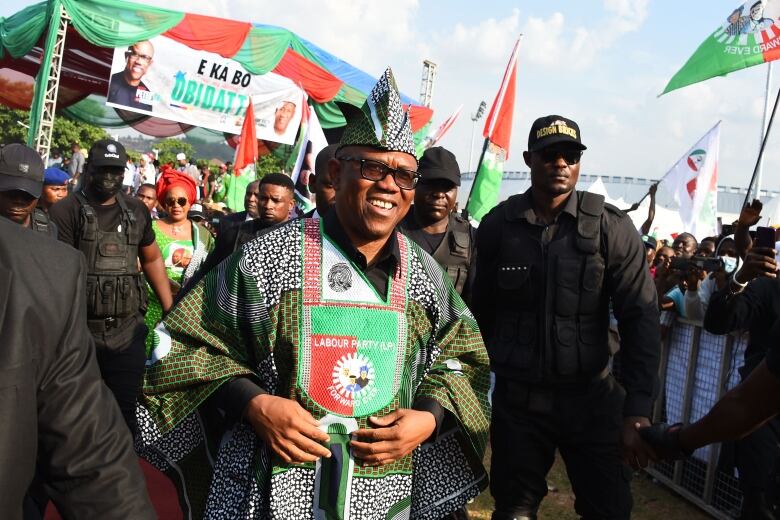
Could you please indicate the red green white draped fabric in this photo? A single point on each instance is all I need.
(100, 25)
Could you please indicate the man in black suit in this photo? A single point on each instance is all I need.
(55, 408)
(268, 202)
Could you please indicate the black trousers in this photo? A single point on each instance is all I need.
(583, 422)
(122, 358)
(757, 457)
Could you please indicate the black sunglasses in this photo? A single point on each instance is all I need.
(181, 201)
(570, 156)
(375, 171)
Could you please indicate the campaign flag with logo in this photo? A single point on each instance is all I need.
(497, 133)
(748, 36)
(693, 182)
(244, 163)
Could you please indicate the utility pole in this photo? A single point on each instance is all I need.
(474, 118)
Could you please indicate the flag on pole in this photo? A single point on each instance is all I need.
(243, 164)
(312, 140)
(748, 36)
(444, 128)
(497, 133)
(693, 182)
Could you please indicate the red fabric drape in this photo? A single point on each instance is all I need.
(217, 35)
(318, 83)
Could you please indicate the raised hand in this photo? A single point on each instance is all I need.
(750, 214)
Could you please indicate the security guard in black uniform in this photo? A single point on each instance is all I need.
(114, 232)
(550, 261)
(21, 183)
(449, 238)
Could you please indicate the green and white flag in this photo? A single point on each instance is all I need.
(693, 182)
(498, 131)
(748, 36)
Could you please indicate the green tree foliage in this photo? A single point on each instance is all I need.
(168, 148)
(64, 133)
(268, 163)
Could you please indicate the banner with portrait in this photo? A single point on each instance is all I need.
(164, 78)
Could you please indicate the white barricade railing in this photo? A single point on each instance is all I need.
(697, 368)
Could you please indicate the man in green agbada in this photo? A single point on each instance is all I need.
(328, 370)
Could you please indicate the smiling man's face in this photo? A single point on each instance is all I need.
(370, 210)
(139, 57)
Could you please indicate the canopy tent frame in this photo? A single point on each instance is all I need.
(47, 84)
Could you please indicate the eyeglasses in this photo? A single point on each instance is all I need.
(139, 57)
(375, 171)
(181, 201)
(570, 156)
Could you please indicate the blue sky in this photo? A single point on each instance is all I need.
(599, 62)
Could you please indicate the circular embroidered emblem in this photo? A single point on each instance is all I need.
(340, 277)
(353, 376)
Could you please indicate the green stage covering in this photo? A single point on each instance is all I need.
(101, 25)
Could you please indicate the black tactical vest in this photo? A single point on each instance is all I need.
(552, 316)
(39, 221)
(454, 252)
(115, 286)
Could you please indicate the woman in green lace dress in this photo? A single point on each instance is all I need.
(183, 243)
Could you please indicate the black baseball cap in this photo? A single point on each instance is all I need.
(650, 241)
(551, 130)
(439, 163)
(107, 152)
(21, 168)
(196, 212)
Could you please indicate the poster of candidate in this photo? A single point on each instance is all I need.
(164, 78)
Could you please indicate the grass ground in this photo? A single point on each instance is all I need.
(651, 500)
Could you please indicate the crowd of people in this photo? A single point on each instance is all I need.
(354, 361)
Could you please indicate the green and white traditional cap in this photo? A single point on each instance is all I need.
(381, 122)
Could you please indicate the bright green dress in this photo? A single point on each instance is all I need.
(182, 258)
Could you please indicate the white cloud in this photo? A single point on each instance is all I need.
(488, 42)
(547, 41)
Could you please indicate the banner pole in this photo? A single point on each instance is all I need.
(474, 181)
(764, 122)
(761, 152)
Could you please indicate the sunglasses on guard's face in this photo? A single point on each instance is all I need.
(549, 155)
(181, 201)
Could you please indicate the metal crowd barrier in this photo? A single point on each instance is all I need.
(697, 368)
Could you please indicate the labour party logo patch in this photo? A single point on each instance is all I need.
(351, 363)
(353, 377)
